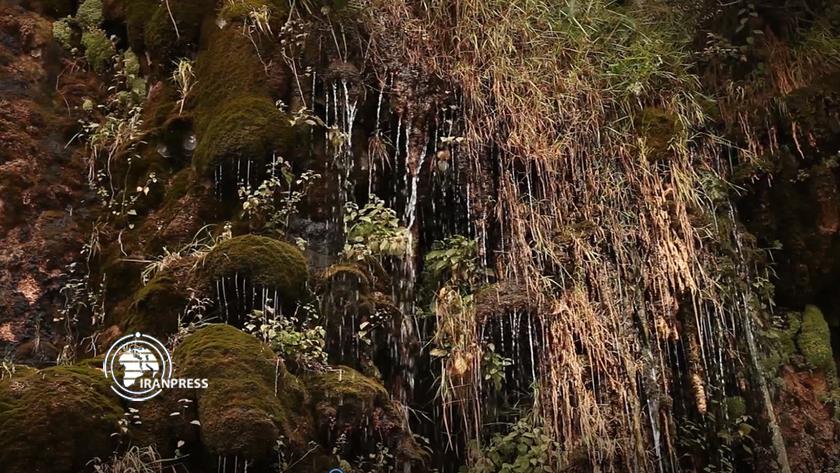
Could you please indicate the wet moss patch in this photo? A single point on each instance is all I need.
(155, 308)
(264, 261)
(251, 399)
(56, 419)
(814, 341)
(359, 409)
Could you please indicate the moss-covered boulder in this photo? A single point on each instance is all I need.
(814, 341)
(166, 30)
(251, 399)
(236, 120)
(260, 261)
(358, 409)
(57, 419)
(155, 307)
(243, 130)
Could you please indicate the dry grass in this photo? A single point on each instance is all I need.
(616, 239)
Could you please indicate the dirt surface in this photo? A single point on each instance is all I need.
(40, 174)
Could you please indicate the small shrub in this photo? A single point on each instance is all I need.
(373, 230)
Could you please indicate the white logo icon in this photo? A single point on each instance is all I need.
(139, 366)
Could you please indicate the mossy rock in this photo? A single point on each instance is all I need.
(264, 261)
(155, 308)
(233, 105)
(150, 27)
(814, 341)
(360, 408)
(56, 420)
(227, 68)
(239, 412)
(245, 129)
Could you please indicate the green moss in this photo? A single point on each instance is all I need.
(736, 406)
(63, 32)
(658, 127)
(358, 407)
(89, 14)
(239, 412)
(247, 128)
(155, 308)
(56, 419)
(150, 27)
(236, 10)
(98, 49)
(264, 261)
(814, 341)
(235, 116)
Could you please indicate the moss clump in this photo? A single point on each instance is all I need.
(56, 419)
(63, 32)
(247, 128)
(235, 116)
(98, 49)
(658, 127)
(89, 14)
(239, 412)
(150, 27)
(155, 308)
(264, 261)
(235, 10)
(358, 407)
(814, 341)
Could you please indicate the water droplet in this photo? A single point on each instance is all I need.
(163, 150)
(190, 142)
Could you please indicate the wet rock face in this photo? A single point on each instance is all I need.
(41, 180)
(797, 210)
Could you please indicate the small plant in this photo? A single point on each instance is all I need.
(453, 260)
(272, 204)
(373, 230)
(493, 366)
(304, 346)
(134, 460)
(526, 448)
(184, 79)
